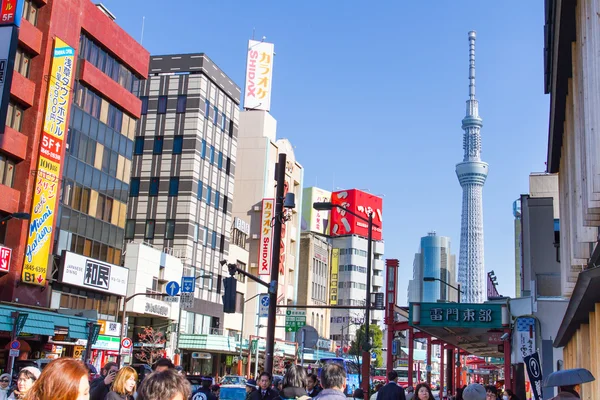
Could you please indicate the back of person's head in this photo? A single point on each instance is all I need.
(392, 376)
(107, 367)
(163, 362)
(358, 394)
(492, 389)
(474, 391)
(378, 387)
(60, 380)
(206, 382)
(122, 377)
(410, 389)
(164, 385)
(295, 377)
(333, 376)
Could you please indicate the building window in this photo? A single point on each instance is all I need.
(200, 187)
(170, 229)
(223, 121)
(134, 187)
(22, 61)
(203, 150)
(158, 145)
(212, 155)
(149, 231)
(220, 161)
(130, 229)
(216, 115)
(213, 244)
(144, 100)
(7, 171)
(206, 108)
(174, 186)
(139, 146)
(30, 11)
(196, 232)
(181, 103)
(217, 199)
(230, 128)
(208, 195)
(228, 166)
(225, 204)
(14, 117)
(178, 144)
(154, 186)
(162, 105)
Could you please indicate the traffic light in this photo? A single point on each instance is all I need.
(229, 296)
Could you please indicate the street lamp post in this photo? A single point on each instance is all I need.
(432, 279)
(366, 347)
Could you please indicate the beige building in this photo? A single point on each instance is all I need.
(257, 153)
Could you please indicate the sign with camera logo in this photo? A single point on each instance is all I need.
(93, 274)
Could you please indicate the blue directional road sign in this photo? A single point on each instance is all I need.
(172, 288)
(263, 311)
(374, 356)
(187, 284)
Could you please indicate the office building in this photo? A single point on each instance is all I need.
(434, 260)
(182, 180)
(472, 173)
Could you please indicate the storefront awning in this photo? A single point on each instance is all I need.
(44, 322)
(582, 302)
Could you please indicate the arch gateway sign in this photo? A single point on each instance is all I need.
(464, 315)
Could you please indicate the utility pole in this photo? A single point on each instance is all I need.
(366, 358)
(277, 222)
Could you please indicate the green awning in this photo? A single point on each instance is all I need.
(44, 322)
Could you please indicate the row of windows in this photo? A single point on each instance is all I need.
(158, 144)
(91, 177)
(214, 157)
(97, 250)
(319, 292)
(224, 123)
(356, 252)
(134, 188)
(212, 197)
(7, 171)
(351, 320)
(319, 268)
(106, 63)
(352, 285)
(94, 204)
(202, 234)
(239, 238)
(97, 155)
(14, 116)
(104, 111)
(22, 61)
(353, 268)
(351, 302)
(30, 11)
(109, 306)
(162, 104)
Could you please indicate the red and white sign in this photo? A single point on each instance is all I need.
(361, 203)
(5, 254)
(8, 12)
(265, 246)
(126, 343)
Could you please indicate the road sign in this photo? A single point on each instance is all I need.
(394, 347)
(171, 299)
(15, 345)
(374, 356)
(187, 284)
(294, 320)
(309, 335)
(428, 368)
(187, 300)
(126, 343)
(263, 310)
(5, 254)
(13, 353)
(172, 288)
(253, 345)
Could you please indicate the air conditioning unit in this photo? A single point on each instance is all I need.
(257, 208)
(255, 236)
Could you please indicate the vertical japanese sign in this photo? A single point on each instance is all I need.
(534, 370)
(525, 337)
(49, 165)
(333, 289)
(11, 11)
(266, 237)
(259, 72)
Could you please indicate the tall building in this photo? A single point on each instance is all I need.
(182, 180)
(518, 246)
(472, 173)
(434, 260)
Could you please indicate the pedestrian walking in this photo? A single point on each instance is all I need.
(26, 379)
(333, 380)
(204, 393)
(391, 391)
(423, 392)
(62, 379)
(4, 386)
(100, 386)
(294, 384)
(123, 388)
(166, 385)
(377, 389)
(251, 387)
(162, 365)
(265, 391)
(312, 385)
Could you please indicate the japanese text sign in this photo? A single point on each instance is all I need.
(361, 203)
(11, 11)
(45, 195)
(462, 315)
(265, 245)
(333, 288)
(5, 254)
(94, 275)
(259, 72)
(315, 220)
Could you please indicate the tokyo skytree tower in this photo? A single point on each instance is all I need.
(472, 173)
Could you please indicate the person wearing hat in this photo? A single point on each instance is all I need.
(27, 376)
(204, 393)
(474, 391)
(250, 388)
(4, 386)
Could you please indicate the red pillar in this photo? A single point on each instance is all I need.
(428, 365)
(391, 296)
(389, 357)
(442, 371)
(507, 351)
(410, 356)
(366, 372)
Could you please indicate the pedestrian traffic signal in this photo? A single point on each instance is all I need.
(229, 297)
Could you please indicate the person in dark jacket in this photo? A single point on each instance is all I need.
(250, 388)
(333, 379)
(294, 384)
(391, 391)
(100, 387)
(312, 385)
(265, 391)
(204, 393)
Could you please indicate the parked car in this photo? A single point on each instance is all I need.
(232, 380)
(232, 392)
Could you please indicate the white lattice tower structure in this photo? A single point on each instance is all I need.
(472, 173)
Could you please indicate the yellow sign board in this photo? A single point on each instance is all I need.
(333, 287)
(78, 352)
(47, 181)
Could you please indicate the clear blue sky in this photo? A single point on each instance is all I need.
(372, 94)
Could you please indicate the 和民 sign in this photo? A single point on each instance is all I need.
(462, 315)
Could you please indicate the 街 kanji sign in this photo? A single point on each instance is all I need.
(48, 171)
(266, 237)
(259, 72)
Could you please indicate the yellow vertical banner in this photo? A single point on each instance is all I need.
(47, 181)
(333, 287)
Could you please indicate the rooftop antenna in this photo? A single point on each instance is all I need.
(143, 22)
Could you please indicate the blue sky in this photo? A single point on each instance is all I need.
(372, 94)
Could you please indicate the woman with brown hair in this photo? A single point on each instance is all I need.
(124, 385)
(62, 379)
(423, 392)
